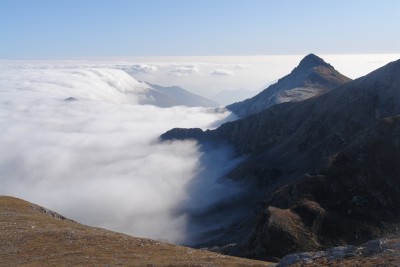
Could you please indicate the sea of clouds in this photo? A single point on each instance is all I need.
(80, 141)
(78, 137)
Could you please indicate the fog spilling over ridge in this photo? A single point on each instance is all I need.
(84, 142)
(242, 76)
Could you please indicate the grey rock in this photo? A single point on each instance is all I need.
(291, 259)
(319, 254)
(341, 252)
(395, 245)
(373, 247)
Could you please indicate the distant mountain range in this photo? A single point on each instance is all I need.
(324, 171)
(112, 85)
(226, 97)
(312, 77)
(175, 96)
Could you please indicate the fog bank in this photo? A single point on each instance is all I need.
(76, 140)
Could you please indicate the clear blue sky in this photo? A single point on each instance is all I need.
(107, 28)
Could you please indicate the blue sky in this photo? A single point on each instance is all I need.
(118, 28)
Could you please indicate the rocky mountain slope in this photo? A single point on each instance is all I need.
(34, 236)
(325, 170)
(312, 77)
(356, 198)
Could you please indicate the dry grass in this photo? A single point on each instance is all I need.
(30, 236)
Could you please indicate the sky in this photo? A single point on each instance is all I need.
(105, 28)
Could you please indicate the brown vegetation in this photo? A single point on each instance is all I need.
(34, 236)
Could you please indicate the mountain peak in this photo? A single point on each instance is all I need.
(311, 61)
(312, 77)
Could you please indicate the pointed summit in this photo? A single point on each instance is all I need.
(312, 77)
(311, 61)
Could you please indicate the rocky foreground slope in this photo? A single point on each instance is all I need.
(312, 77)
(35, 236)
(31, 235)
(325, 171)
(378, 252)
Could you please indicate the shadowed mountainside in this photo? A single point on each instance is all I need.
(354, 199)
(326, 169)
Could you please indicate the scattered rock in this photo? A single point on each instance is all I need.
(50, 213)
(374, 251)
(373, 246)
(341, 252)
(304, 257)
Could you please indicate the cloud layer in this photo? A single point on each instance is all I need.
(97, 159)
(198, 74)
(222, 72)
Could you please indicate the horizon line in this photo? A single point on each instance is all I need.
(189, 56)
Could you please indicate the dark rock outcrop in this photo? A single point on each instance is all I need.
(183, 134)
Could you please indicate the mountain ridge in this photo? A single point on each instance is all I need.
(167, 96)
(312, 77)
(292, 143)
